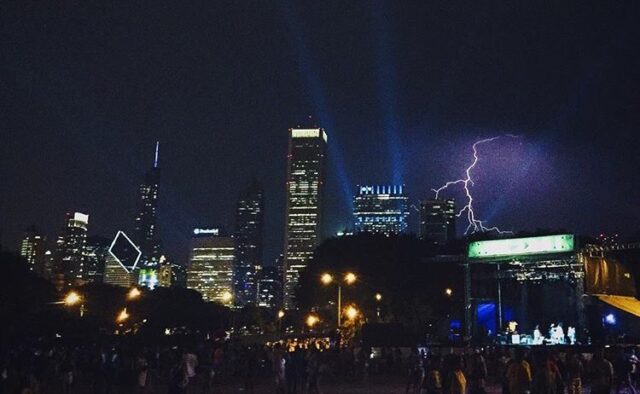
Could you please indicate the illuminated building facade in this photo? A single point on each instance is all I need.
(249, 236)
(71, 252)
(32, 249)
(178, 275)
(211, 263)
(165, 274)
(121, 262)
(115, 274)
(381, 209)
(159, 275)
(270, 287)
(305, 183)
(146, 231)
(438, 220)
(97, 249)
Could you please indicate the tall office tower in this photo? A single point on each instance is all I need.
(381, 209)
(32, 249)
(211, 263)
(249, 235)
(178, 275)
(146, 231)
(48, 271)
(438, 220)
(96, 252)
(71, 251)
(270, 287)
(305, 184)
(122, 260)
(165, 273)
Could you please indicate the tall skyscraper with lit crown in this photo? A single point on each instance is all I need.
(71, 253)
(305, 184)
(249, 236)
(381, 209)
(146, 229)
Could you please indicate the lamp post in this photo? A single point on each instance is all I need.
(280, 317)
(73, 298)
(311, 321)
(134, 293)
(122, 316)
(349, 278)
(378, 298)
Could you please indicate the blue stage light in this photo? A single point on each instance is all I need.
(610, 319)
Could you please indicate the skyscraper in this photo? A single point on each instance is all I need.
(71, 250)
(49, 270)
(32, 249)
(211, 263)
(249, 236)
(305, 184)
(270, 287)
(146, 231)
(96, 252)
(438, 220)
(122, 259)
(381, 209)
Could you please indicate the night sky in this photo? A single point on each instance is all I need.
(402, 89)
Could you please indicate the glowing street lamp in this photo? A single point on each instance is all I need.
(312, 320)
(122, 316)
(134, 293)
(448, 291)
(326, 279)
(72, 298)
(280, 317)
(378, 298)
(351, 312)
(226, 297)
(350, 278)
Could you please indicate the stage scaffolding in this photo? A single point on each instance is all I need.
(513, 283)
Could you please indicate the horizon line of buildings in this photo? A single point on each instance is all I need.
(229, 267)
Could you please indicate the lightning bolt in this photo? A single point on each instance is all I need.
(475, 224)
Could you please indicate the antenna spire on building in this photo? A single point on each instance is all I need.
(155, 161)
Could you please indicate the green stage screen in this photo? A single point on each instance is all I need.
(521, 246)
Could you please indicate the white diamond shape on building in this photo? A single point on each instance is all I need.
(127, 262)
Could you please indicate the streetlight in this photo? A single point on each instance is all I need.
(312, 320)
(351, 312)
(280, 316)
(349, 278)
(226, 297)
(134, 293)
(378, 297)
(122, 316)
(72, 298)
(326, 279)
(448, 291)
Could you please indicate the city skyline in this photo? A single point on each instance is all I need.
(79, 125)
(150, 184)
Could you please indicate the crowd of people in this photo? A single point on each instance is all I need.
(518, 370)
(300, 368)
